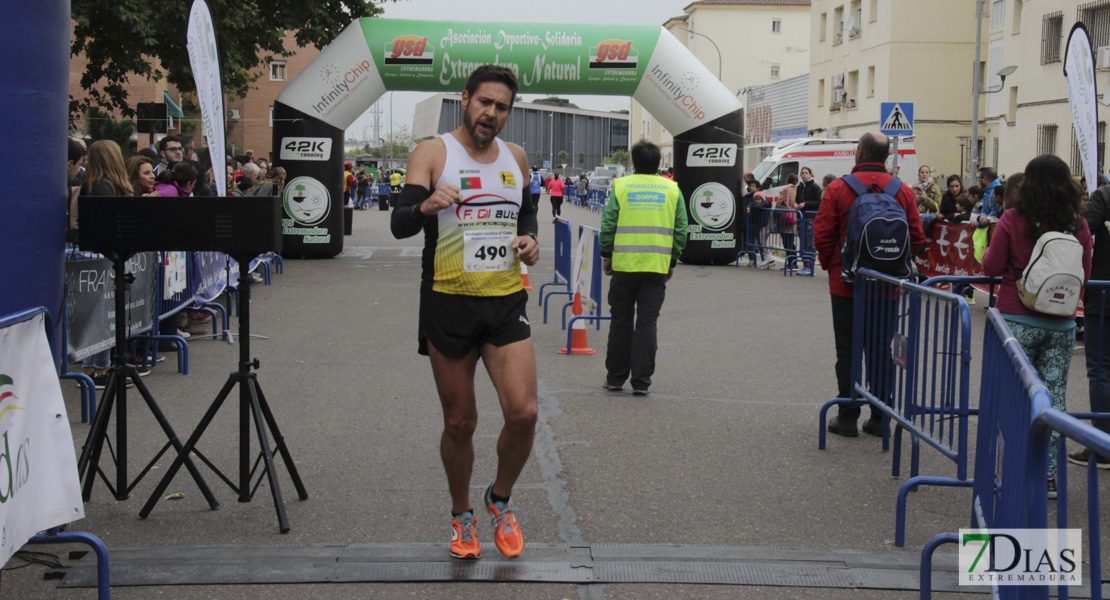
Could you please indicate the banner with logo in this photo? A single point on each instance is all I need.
(91, 304)
(176, 270)
(950, 252)
(379, 55)
(1079, 73)
(374, 56)
(39, 486)
(201, 43)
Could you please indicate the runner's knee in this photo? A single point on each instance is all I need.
(460, 426)
(522, 416)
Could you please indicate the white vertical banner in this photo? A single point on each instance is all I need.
(39, 486)
(1079, 74)
(580, 263)
(586, 274)
(201, 42)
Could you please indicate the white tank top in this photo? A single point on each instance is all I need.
(472, 254)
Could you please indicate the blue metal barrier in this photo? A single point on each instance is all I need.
(166, 309)
(103, 575)
(596, 199)
(958, 283)
(596, 281)
(778, 229)
(1011, 398)
(563, 250)
(911, 358)
(1098, 442)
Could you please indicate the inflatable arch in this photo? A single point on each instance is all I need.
(373, 56)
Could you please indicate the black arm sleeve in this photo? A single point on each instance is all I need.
(526, 221)
(407, 220)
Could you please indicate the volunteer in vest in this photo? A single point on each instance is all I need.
(468, 192)
(828, 236)
(643, 232)
(1048, 201)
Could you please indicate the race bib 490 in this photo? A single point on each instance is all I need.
(486, 250)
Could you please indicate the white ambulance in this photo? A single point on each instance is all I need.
(824, 156)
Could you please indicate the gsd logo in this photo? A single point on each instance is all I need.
(614, 54)
(409, 50)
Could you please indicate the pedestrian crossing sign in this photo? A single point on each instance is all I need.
(896, 118)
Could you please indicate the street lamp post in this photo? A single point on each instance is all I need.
(711, 42)
(973, 162)
(551, 141)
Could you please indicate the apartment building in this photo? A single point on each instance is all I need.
(748, 42)
(1030, 115)
(865, 52)
(250, 120)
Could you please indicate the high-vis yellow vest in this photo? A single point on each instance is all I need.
(644, 237)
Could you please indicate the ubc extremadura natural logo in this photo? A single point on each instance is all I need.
(15, 469)
(536, 57)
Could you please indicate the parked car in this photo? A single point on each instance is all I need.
(602, 183)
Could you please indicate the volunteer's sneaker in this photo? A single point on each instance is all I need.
(806, 272)
(612, 387)
(766, 263)
(1052, 493)
(464, 544)
(506, 532)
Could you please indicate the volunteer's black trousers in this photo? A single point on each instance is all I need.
(634, 303)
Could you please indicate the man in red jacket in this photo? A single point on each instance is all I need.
(828, 236)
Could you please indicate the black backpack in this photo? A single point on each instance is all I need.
(877, 235)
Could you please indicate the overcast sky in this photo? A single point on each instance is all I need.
(599, 12)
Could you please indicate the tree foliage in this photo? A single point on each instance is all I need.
(620, 157)
(402, 141)
(103, 126)
(581, 157)
(139, 39)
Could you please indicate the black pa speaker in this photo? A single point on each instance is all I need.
(237, 226)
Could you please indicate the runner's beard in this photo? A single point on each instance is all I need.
(481, 137)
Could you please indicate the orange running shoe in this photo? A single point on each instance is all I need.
(506, 531)
(464, 544)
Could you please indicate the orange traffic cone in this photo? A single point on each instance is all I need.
(578, 343)
(524, 277)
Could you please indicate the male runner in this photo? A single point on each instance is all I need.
(479, 224)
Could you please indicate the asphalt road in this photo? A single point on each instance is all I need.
(723, 452)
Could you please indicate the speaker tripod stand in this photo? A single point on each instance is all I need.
(252, 407)
(115, 399)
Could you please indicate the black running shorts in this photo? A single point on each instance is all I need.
(456, 324)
